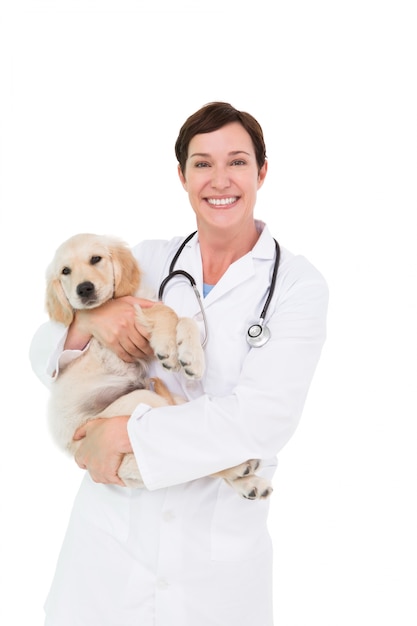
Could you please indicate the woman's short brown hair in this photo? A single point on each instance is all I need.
(211, 117)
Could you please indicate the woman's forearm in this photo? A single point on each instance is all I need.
(78, 334)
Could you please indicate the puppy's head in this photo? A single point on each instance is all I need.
(87, 271)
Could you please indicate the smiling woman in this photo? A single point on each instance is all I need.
(184, 547)
(222, 172)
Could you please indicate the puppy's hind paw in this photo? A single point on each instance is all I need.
(247, 468)
(252, 487)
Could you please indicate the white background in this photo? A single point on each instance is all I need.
(93, 95)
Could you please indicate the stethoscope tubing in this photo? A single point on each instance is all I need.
(258, 334)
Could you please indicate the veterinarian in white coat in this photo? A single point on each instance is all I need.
(187, 550)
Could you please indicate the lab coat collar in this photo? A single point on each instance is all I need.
(238, 272)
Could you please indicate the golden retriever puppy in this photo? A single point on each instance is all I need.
(87, 271)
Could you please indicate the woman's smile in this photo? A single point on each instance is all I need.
(222, 202)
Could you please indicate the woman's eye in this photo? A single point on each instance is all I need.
(202, 164)
(66, 271)
(238, 162)
(95, 259)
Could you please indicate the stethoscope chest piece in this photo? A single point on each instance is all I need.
(258, 335)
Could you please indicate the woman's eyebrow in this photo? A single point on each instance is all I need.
(206, 154)
(199, 154)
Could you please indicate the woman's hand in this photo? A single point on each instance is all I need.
(115, 326)
(103, 443)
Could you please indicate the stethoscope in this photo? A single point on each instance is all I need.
(257, 334)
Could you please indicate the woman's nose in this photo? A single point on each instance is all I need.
(220, 178)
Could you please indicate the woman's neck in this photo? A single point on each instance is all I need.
(220, 250)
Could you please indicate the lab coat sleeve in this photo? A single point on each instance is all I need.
(47, 355)
(177, 444)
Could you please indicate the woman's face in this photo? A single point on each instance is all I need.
(221, 177)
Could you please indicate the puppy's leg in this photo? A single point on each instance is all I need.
(190, 351)
(245, 482)
(125, 405)
(252, 487)
(129, 472)
(247, 468)
(161, 322)
(175, 341)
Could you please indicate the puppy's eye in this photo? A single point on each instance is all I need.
(66, 271)
(95, 259)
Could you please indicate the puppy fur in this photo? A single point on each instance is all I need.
(87, 271)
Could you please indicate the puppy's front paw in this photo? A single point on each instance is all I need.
(190, 352)
(160, 322)
(165, 350)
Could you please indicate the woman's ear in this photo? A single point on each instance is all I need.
(182, 177)
(262, 174)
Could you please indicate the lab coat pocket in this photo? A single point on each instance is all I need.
(105, 508)
(239, 527)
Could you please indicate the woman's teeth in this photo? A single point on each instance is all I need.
(221, 201)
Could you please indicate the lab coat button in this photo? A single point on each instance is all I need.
(168, 516)
(162, 583)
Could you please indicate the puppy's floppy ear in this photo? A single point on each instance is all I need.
(56, 302)
(126, 270)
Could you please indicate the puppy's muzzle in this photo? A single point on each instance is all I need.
(86, 292)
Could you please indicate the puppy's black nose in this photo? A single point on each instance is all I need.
(85, 290)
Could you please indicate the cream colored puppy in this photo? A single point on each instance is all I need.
(87, 271)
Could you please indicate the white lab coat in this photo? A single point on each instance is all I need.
(188, 550)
